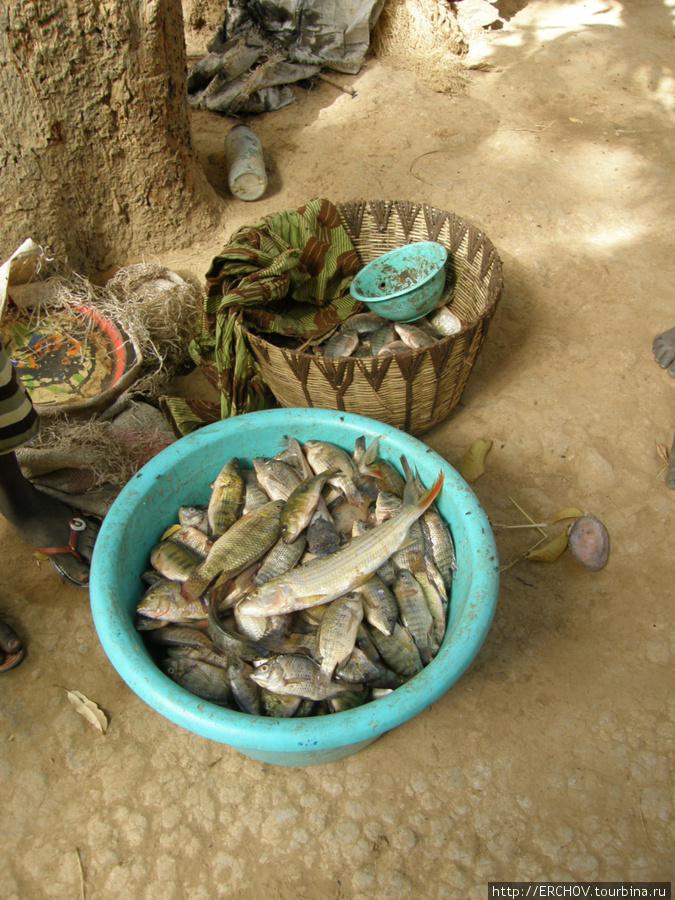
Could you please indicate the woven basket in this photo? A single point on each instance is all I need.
(411, 389)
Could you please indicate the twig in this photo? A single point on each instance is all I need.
(519, 558)
(417, 158)
(79, 866)
(533, 525)
(529, 518)
(335, 84)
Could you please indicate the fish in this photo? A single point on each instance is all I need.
(363, 323)
(379, 604)
(249, 538)
(380, 338)
(357, 668)
(338, 630)
(227, 498)
(388, 476)
(303, 628)
(322, 534)
(300, 507)
(331, 576)
(254, 496)
(323, 456)
(299, 676)
(280, 559)
(445, 321)
(415, 614)
(231, 642)
(399, 651)
(342, 343)
(194, 517)
(200, 678)
(193, 538)
(165, 601)
(278, 479)
(245, 691)
(412, 336)
(393, 347)
(174, 560)
(279, 706)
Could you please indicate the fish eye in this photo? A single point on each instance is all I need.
(264, 668)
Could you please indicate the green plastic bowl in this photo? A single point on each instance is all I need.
(403, 284)
(181, 474)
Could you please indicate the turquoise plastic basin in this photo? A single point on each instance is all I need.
(403, 284)
(180, 475)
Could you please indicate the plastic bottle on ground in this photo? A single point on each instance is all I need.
(245, 164)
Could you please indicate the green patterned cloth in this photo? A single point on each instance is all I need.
(287, 274)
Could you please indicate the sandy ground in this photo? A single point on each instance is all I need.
(551, 758)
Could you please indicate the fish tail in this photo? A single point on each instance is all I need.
(194, 586)
(427, 498)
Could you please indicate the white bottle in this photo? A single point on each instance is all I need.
(245, 165)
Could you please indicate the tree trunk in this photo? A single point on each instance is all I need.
(96, 161)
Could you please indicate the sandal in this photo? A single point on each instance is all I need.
(76, 525)
(11, 650)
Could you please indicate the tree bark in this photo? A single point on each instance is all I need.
(96, 160)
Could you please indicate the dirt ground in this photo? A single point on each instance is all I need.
(552, 757)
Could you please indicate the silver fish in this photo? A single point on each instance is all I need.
(299, 676)
(445, 321)
(329, 577)
(338, 630)
(277, 478)
(324, 456)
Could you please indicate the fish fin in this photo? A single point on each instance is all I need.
(411, 493)
(293, 445)
(371, 453)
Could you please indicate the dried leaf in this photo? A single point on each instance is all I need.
(549, 551)
(172, 529)
(567, 512)
(577, 121)
(663, 452)
(473, 464)
(88, 709)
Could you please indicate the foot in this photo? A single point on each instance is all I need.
(49, 527)
(11, 648)
(663, 347)
(42, 521)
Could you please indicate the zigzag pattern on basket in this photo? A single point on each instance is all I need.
(422, 386)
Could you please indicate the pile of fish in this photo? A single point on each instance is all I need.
(367, 334)
(313, 582)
